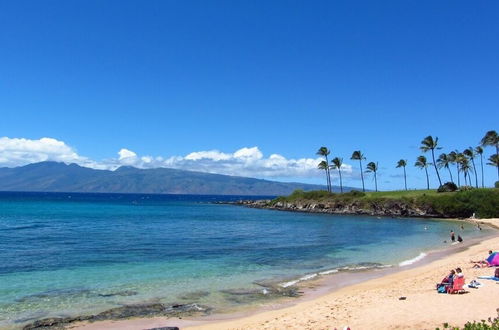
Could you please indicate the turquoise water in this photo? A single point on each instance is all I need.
(73, 254)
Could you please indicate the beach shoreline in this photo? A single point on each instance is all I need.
(370, 303)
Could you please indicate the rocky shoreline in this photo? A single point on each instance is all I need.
(391, 208)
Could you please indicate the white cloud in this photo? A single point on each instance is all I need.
(246, 161)
(125, 153)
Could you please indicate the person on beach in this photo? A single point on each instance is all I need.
(459, 273)
(459, 239)
(452, 236)
(481, 263)
(446, 282)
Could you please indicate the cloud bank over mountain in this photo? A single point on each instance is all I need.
(247, 161)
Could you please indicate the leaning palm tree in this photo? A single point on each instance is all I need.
(491, 138)
(466, 168)
(494, 161)
(324, 151)
(479, 151)
(429, 143)
(403, 163)
(373, 167)
(470, 153)
(423, 163)
(445, 160)
(336, 164)
(324, 166)
(357, 155)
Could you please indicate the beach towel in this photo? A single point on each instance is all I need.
(493, 278)
(493, 259)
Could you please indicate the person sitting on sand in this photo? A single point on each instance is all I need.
(448, 280)
(481, 263)
(459, 273)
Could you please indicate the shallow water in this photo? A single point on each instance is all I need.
(73, 254)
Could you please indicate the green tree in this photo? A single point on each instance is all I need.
(429, 143)
(491, 138)
(466, 168)
(373, 167)
(444, 161)
(357, 155)
(460, 158)
(421, 162)
(324, 151)
(453, 159)
(324, 166)
(336, 164)
(494, 161)
(470, 153)
(479, 151)
(403, 163)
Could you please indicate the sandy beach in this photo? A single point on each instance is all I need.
(374, 304)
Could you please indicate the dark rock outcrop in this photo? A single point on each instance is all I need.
(124, 312)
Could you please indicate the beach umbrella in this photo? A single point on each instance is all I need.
(493, 259)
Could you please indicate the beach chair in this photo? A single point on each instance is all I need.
(457, 286)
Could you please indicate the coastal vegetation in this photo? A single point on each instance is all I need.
(481, 202)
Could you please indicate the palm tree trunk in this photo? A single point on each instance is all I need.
(375, 181)
(405, 179)
(481, 165)
(427, 179)
(328, 176)
(362, 175)
(435, 165)
(458, 181)
(341, 182)
(450, 173)
(474, 170)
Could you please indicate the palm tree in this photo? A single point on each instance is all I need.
(373, 167)
(324, 166)
(491, 138)
(445, 160)
(324, 151)
(479, 151)
(336, 164)
(357, 155)
(470, 153)
(494, 161)
(429, 143)
(403, 163)
(466, 168)
(422, 163)
(459, 159)
(453, 156)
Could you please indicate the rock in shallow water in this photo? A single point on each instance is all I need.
(124, 312)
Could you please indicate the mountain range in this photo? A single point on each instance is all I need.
(61, 177)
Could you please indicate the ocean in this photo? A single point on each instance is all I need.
(68, 254)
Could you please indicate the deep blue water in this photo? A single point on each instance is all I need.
(63, 254)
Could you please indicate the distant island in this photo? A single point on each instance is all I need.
(60, 177)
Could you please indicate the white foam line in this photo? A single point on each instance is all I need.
(304, 278)
(331, 271)
(413, 260)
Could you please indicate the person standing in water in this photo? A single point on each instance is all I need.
(452, 236)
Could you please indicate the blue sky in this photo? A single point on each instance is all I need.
(166, 79)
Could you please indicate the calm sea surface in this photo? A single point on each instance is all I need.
(73, 254)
